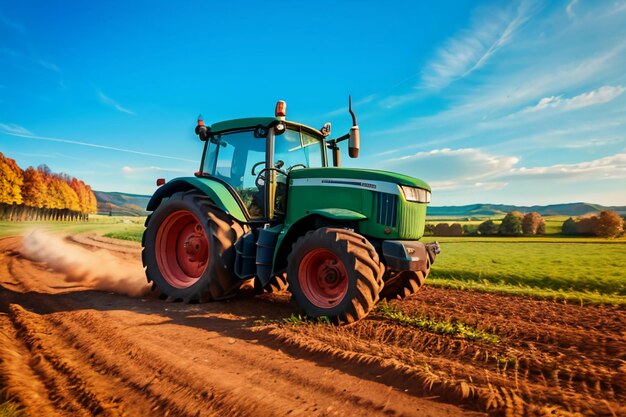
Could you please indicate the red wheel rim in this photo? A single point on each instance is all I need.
(323, 278)
(182, 249)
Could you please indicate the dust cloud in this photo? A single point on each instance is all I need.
(98, 270)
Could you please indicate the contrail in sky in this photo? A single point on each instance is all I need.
(93, 145)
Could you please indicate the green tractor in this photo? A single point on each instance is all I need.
(266, 207)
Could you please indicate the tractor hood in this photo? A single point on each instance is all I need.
(358, 174)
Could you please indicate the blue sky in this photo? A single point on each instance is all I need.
(502, 102)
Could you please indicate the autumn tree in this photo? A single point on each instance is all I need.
(441, 229)
(33, 192)
(455, 230)
(92, 201)
(609, 224)
(511, 224)
(587, 225)
(11, 180)
(533, 224)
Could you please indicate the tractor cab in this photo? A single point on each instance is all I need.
(254, 157)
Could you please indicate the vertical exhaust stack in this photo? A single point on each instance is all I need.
(355, 138)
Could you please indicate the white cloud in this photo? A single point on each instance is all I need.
(458, 165)
(110, 102)
(12, 128)
(602, 95)
(569, 9)
(609, 167)
(472, 48)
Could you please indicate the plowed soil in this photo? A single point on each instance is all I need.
(69, 349)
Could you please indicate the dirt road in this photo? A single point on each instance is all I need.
(70, 350)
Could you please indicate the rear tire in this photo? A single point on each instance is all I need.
(188, 249)
(334, 273)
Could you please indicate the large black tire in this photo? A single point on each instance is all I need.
(217, 280)
(334, 273)
(402, 284)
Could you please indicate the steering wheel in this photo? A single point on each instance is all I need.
(260, 179)
(256, 165)
(295, 166)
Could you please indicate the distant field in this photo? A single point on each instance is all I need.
(96, 224)
(585, 270)
(130, 233)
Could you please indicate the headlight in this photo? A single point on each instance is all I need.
(415, 194)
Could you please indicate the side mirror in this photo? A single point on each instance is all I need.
(354, 142)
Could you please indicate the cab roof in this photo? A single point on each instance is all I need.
(252, 122)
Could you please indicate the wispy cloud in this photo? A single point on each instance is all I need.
(599, 96)
(112, 103)
(137, 170)
(12, 128)
(569, 9)
(467, 164)
(86, 144)
(473, 47)
(12, 24)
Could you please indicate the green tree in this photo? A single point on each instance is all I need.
(511, 224)
(488, 228)
(569, 227)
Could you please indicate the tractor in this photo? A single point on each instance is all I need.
(267, 208)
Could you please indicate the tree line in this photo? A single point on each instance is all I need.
(515, 223)
(607, 224)
(40, 194)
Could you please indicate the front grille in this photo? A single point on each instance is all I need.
(386, 209)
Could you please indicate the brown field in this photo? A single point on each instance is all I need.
(72, 345)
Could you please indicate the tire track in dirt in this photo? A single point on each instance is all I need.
(85, 352)
(535, 368)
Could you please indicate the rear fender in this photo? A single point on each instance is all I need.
(216, 191)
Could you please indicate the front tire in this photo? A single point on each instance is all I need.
(404, 283)
(335, 273)
(188, 249)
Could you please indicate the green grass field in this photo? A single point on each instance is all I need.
(128, 233)
(581, 270)
(584, 270)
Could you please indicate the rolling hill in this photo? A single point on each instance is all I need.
(123, 204)
(489, 210)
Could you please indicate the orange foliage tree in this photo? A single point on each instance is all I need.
(40, 194)
(11, 180)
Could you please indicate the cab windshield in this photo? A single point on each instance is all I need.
(231, 157)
